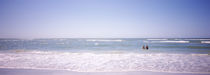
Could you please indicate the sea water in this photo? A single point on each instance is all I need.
(180, 55)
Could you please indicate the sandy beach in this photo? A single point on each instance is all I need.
(4, 71)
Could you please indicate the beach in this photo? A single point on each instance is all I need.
(105, 37)
(4, 71)
(104, 57)
(106, 62)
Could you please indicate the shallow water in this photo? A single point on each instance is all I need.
(107, 55)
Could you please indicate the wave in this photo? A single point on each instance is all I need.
(44, 43)
(170, 41)
(93, 40)
(13, 40)
(205, 41)
(118, 62)
(196, 39)
(157, 39)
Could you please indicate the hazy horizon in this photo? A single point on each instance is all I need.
(104, 19)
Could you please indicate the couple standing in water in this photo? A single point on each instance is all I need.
(145, 47)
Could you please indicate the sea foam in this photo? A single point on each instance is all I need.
(205, 42)
(170, 41)
(104, 40)
(108, 62)
(157, 39)
(196, 39)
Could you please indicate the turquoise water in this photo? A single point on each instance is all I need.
(161, 45)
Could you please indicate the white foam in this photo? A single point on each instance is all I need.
(196, 39)
(146, 41)
(12, 40)
(172, 41)
(157, 39)
(44, 43)
(61, 43)
(105, 40)
(205, 41)
(93, 62)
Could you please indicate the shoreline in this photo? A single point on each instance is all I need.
(6, 71)
(11, 68)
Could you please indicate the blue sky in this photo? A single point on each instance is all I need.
(104, 19)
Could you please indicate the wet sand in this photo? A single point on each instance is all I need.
(4, 71)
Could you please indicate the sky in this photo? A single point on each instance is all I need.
(104, 18)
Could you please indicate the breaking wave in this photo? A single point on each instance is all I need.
(157, 39)
(196, 39)
(170, 41)
(104, 40)
(205, 41)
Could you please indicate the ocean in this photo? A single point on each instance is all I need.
(177, 55)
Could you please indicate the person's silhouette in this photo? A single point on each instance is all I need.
(147, 47)
(143, 47)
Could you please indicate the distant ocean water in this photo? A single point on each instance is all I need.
(163, 45)
(187, 55)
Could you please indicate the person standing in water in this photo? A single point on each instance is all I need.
(147, 47)
(143, 47)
